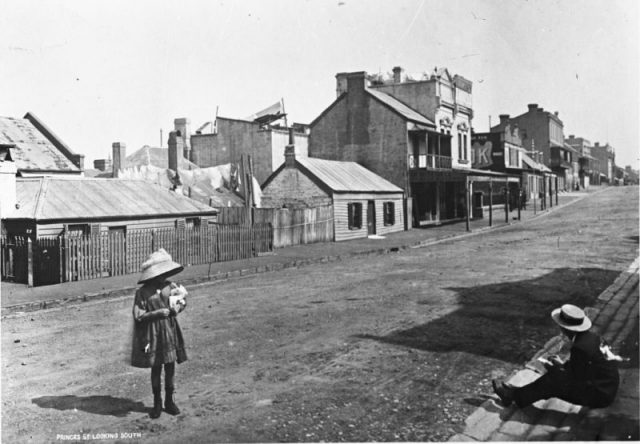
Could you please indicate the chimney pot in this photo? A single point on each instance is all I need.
(397, 74)
(341, 83)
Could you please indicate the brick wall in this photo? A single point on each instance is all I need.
(234, 138)
(366, 132)
(293, 189)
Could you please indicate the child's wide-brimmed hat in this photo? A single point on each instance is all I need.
(571, 318)
(159, 263)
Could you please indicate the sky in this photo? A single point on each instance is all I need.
(97, 72)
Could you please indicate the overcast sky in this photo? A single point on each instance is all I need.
(97, 72)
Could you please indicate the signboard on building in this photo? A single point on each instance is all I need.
(481, 151)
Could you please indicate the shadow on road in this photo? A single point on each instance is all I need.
(100, 405)
(509, 321)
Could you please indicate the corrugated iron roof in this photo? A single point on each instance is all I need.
(48, 198)
(407, 112)
(347, 176)
(31, 150)
(533, 164)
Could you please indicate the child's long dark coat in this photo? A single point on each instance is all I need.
(156, 340)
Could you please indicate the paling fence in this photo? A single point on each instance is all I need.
(291, 226)
(67, 257)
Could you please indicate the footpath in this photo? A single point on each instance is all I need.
(615, 317)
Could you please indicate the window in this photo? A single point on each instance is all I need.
(465, 149)
(460, 148)
(355, 215)
(193, 222)
(78, 229)
(389, 210)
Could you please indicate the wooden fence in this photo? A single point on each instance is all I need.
(290, 226)
(76, 257)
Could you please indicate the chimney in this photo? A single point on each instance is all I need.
(119, 155)
(504, 118)
(397, 74)
(356, 81)
(290, 152)
(341, 83)
(556, 113)
(532, 106)
(182, 126)
(176, 149)
(8, 173)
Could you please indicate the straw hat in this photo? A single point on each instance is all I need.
(571, 318)
(159, 263)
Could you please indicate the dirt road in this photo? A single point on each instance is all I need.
(388, 348)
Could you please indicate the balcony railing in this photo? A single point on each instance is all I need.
(430, 162)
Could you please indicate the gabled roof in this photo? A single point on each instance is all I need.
(344, 177)
(30, 149)
(400, 108)
(56, 198)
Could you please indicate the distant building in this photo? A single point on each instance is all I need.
(587, 164)
(501, 150)
(542, 132)
(35, 149)
(605, 157)
(228, 139)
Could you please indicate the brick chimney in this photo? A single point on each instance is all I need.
(532, 107)
(290, 152)
(119, 150)
(182, 125)
(176, 149)
(341, 83)
(504, 118)
(397, 74)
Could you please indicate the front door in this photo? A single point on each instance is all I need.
(371, 217)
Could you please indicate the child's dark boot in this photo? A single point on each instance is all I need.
(157, 404)
(169, 405)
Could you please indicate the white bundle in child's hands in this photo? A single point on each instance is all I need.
(177, 295)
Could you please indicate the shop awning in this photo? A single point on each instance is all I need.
(534, 165)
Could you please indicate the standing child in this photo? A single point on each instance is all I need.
(157, 338)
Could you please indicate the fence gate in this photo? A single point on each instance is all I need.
(46, 261)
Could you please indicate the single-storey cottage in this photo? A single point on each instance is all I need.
(364, 203)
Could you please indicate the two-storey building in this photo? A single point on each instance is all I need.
(587, 164)
(501, 150)
(415, 133)
(605, 161)
(542, 135)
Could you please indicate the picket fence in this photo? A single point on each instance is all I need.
(291, 226)
(66, 258)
